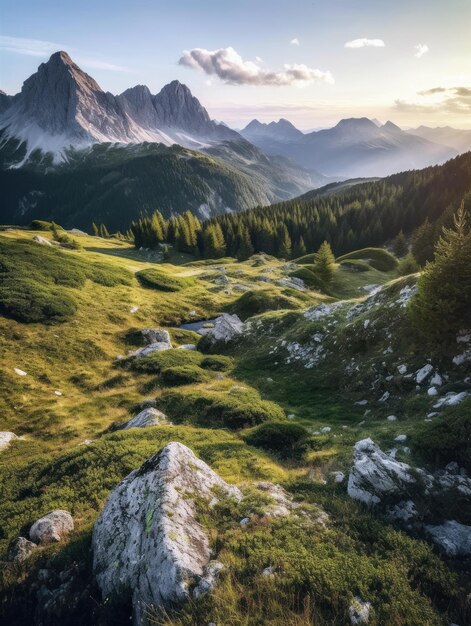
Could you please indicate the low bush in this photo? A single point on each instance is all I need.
(217, 363)
(309, 276)
(156, 362)
(156, 279)
(219, 409)
(184, 375)
(281, 437)
(449, 438)
(256, 302)
(40, 225)
(378, 258)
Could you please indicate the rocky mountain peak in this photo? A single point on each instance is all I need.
(177, 108)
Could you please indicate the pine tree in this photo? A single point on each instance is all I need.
(442, 305)
(399, 245)
(407, 265)
(325, 263)
(423, 242)
(244, 247)
(95, 230)
(299, 248)
(284, 249)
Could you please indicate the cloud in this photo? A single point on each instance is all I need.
(431, 92)
(363, 42)
(451, 100)
(259, 60)
(420, 50)
(229, 66)
(43, 49)
(295, 42)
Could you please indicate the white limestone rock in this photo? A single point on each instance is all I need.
(147, 417)
(226, 328)
(51, 528)
(147, 542)
(359, 611)
(423, 373)
(375, 475)
(452, 537)
(6, 437)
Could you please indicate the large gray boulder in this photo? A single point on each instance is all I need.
(376, 475)
(452, 537)
(51, 528)
(147, 417)
(226, 328)
(147, 542)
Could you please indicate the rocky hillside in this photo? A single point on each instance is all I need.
(203, 442)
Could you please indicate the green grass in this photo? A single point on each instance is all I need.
(157, 279)
(378, 258)
(253, 303)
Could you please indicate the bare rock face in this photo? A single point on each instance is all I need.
(147, 417)
(6, 437)
(51, 528)
(20, 549)
(452, 537)
(147, 542)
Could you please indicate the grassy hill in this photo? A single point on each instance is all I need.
(81, 383)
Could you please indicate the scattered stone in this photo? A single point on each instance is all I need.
(359, 611)
(391, 418)
(423, 373)
(209, 579)
(155, 335)
(244, 521)
(269, 571)
(86, 442)
(404, 511)
(134, 309)
(338, 477)
(20, 549)
(147, 543)
(452, 537)
(147, 417)
(20, 372)
(401, 438)
(42, 240)
(402, 369)
(326, 429)
(51, 528)
(361, 402)
(221, 280)
(451, 399)
(292, 283)
(291, 416)
(187, 346)
(6, 437)
(58, 393)
(386, 395)
(320, 311)
(436, 380)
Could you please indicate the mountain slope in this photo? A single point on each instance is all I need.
(354, 147)
(458, 139)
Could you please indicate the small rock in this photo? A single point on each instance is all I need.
(432, 391)
(20, 372)
(454, 538)
(209, 579)
(361, 402)
(326, 429)
(423, 373)
(245, 521)
(401, 438)
(147, 417)
(20, 549)
(58, 393)
(269, 571)
(51, 528)
(187, 346)
(6, 437)
(384, 397)
(359, 611)
(402, 369)
(436, 380)
(391, 418)
(134, 309)
(338, 477)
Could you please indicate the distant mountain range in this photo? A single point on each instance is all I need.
(72, 152)
(354, 147)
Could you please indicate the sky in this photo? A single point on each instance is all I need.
(313, 62)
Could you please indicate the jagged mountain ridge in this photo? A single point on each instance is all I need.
(355, 147)
(61, 106)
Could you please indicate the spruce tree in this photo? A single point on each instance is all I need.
(442, 306)
(284, 249)
(325, 263)
(399, 245)
(423, 242)
(95, 230)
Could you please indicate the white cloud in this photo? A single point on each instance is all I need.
(295, 42)
(363, 42)
(43, 49)
(420, 50)
(229, 66)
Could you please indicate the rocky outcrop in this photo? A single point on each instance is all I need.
(226, 328)
(359, 612)
(6, 437)
(147, 542)
(51, 528)
(20, 549)
(147, 417)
